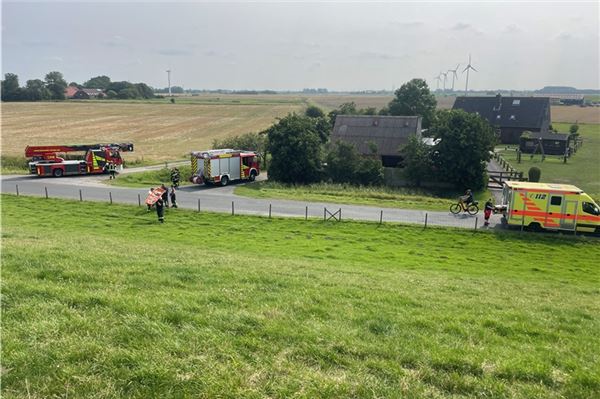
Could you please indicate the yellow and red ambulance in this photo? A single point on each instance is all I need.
(549, 206)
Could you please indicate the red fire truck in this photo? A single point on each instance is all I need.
(47, 160)
(223, 166)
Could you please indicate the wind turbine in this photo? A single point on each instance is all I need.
(438, 78)
(169, 79)
(469, 66)
(445, 75)
(454, 75)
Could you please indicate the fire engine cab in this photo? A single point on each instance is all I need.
(547, 206)
(48, 160)
(223, 166)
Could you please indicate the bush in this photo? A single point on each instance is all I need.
(573, 129)
(314, 112)
(534, 174)
(346, 165)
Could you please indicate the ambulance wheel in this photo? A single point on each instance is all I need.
(473, 209)
(224, 180)
(252, 176)
(57, 172)
(534, 227)
(455, 208)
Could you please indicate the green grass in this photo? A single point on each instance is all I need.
(151, 178)
(102, 301)
(12, 164)
(582, 169)
(407, 198)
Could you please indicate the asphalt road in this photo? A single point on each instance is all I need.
(220, 199)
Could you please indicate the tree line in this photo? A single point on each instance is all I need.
(301, 151)
(54, 85)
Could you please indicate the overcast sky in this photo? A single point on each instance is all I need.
(340, 46)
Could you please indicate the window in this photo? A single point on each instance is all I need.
(512, 118)
(590, 208)
(497, 116)
(555, 200)
(516, 102)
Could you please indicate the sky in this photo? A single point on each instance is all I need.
(294, 45)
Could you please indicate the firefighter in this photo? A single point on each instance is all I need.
(160, 210)
(173, 197)
(165, 195)
(112, 169)
(489, 207)
(175, 176)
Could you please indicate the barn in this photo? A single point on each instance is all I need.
(510, 116)
(548, 144)
(383, 134)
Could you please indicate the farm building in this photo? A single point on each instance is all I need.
(386, 134)
(86, 94)
(511, 116)
(70, 91)
(549, 144)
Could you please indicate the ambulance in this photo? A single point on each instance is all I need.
(545, 206)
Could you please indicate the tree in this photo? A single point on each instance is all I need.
(414, 98)
(573, 129)
(417, 161)
(464, 148)
(295, 147)
(99, 82)
(313, 111)
(343, 109)
(56, 84)
(111, 94)
(10, 88)
(370, 172)
(35, 90)
(144, 90)
(343, 162)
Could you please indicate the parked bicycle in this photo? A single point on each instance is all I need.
(471, 208)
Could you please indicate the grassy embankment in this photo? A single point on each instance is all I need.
(151, 178)
(582, 169)
(112, 304)
(407, 198)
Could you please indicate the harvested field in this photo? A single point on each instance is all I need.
(159, 130)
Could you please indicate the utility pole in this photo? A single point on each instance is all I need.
(169, 79)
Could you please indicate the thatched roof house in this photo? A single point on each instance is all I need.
(387, 133)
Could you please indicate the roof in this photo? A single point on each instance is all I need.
(91, 92)
(71, 90)
(526, 112)
(548, 136)
(386, 132)
(524, 185)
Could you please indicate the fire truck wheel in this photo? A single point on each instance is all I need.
(57, 172)
(252, 176)
(534, 227)
(224, 180)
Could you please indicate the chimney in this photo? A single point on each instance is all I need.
(498, 105)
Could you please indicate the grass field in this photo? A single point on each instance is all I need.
(151, 178)
(112, 304)
(406, 198)
(158, 129)
(582, 169)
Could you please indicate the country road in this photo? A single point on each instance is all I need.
(220, 199)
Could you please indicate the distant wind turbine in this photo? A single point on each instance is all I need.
(445, 75)
(469, 66)
(438, 78)
(454, 75)
(169, 79)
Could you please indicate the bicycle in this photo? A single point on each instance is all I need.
(471, 209)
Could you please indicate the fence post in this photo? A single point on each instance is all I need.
(80, 196)
(340, 214)
(139, 200)
(17, 190)
(324, 215)
(198, 204)
(46, 190)
(269, 211)
(476, 220)
(110, 196)
(381, 216)
(425, 221)
(306, 213)
(232, 209)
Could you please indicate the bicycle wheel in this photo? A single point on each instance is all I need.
(472, 209)
(455, 208)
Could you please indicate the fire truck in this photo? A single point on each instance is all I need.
(223, 166)
(547, 206)
(48, 160)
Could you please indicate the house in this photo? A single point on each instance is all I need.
(511, 116)
(86, 94)
(70, 91)
(548, 144)
(384, 134)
